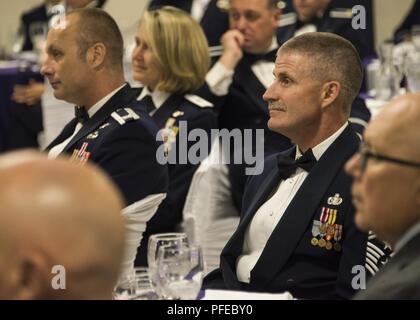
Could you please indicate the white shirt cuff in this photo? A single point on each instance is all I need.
(219, 79)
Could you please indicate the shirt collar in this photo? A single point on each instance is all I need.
(274, 44)
(410, 234)
(158, 97)
(319, 149)
(102, 102)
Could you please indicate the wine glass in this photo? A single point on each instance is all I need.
(155, 242)
(143, 285)
(180, 271)
(412, 72)
(125, 287)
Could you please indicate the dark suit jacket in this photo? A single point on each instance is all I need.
(289, 262)
(125, 150)
(361, 39)
(399, 279)
(181, 4)
(169, 213)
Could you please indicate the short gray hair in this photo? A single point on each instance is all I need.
(335, 59)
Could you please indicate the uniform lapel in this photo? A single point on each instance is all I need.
(166, 110)
(270, 182)
(299, 213)
(250, 85)
(65, 133)
(119, 100)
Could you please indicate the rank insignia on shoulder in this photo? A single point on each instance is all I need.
(93, 135)
(223, 4)
(107, 124)
(341, 13)
(287, 19)
(124, 115)
(335, 201)
(197, 100)
(80, 156)
(177, 114)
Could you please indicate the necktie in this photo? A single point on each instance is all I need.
(148, 103)
(251, 58)
(81, 114)
(287, 165)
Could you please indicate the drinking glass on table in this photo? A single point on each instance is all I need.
(180, 271)
(155, 242)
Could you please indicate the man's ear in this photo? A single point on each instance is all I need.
(330, 92)
(96, 55)
(34, 278)
(277, 16)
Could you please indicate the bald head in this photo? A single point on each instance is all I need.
(55, 213)
(397, 126)
(386, 183)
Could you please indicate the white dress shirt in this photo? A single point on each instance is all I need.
(58, 149)
(269, 214)
(198, 9)
(219, 78)
(158, 97)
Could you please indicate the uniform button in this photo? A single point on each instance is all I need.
(290, 281)
(258, 121)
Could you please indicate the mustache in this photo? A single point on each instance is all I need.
(276, 105)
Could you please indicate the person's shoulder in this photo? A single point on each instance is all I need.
(340, 13)
(287, 20)
(195, 103)
(130, 121)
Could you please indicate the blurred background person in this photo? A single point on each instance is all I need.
(240, 75)
(386, 195)
(329, 16)
(171, 61)
(211, 14)
(55, 213)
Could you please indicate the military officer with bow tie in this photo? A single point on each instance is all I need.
(297, 230)
(85, 68)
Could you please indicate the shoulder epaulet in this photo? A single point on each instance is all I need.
(215, 51)
(124, 115)
(223, 4)
(287, 19)
(341, 13)
(198, 101)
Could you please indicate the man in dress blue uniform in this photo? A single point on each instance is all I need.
(211, 14)
(236, 82)
(297, 232)
(328, 16)
(84, 67)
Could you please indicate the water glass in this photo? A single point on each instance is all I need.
(180, 271)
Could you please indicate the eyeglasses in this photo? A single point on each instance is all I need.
(365, 154)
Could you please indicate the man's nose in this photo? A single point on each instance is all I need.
(46, 68)
(241, 23)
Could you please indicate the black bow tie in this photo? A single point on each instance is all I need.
(81, 114)
(148, 103)
(288, 165)
(251, 58)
